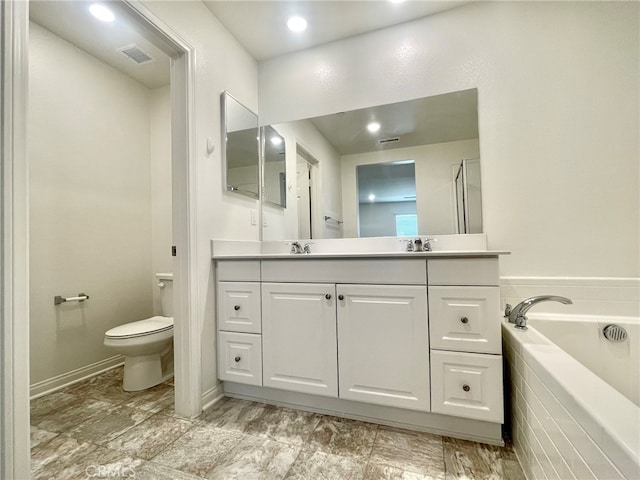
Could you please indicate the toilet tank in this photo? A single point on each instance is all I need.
(165, 284)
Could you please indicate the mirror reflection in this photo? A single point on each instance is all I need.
(388, 170)
(468, 197)
(387, 199)
(275, 175)
(240, 152)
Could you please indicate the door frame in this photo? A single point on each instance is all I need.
(14, 244)
(14, 226)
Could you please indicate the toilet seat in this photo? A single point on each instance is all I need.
(141, 328)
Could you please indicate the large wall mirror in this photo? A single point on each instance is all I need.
(387, 170)
(240, 152)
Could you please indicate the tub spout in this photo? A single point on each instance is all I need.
(518, 315)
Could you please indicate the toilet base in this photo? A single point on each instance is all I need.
(142, 372)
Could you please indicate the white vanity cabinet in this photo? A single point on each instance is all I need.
(383, 345)
(299, 343)
(407, 340)
(466, 345)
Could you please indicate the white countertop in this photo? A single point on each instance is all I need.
(355, 255)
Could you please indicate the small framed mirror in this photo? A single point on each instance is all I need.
(275, 172)
(240, 153)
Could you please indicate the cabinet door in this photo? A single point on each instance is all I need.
(299, 337)
(465, 319)
(383, 345)
(239, 307)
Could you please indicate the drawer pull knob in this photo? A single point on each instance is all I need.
(328, 296)
(464, 320)
(466, 387)
(237, 359)
(236, 307)
(340, 297)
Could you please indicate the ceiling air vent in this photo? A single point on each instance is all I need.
(384, 141)
(134, 53)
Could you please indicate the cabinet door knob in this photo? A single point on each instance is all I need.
(340, 297)
(464, 320)
(236, 307)
(466, 387)
(237, 359)
(328, 296)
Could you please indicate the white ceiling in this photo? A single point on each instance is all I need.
(260, 26)
(71, 21)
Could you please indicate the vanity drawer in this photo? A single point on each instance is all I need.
(240, 357)
(238, 270)
(465, 319)
(239, 307)
(463, 271)
(467, 385)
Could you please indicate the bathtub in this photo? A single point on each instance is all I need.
(574, 397)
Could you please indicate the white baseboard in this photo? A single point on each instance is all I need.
(74, 376)
(212, 396)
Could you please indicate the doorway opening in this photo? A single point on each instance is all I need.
(306, 181)
(15, 403)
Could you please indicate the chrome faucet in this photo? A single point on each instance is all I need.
(517, 314)
(427, 243)
(295, 247)
(408, 247)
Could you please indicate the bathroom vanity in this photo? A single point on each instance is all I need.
(405, 339)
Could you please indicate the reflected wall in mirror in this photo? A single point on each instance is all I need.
(241, 160)
(430, 135)
(275, 173)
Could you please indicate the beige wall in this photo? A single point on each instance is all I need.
(160, 187)
(558, 95)
(90, 209)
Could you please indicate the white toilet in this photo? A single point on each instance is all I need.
(147, 344)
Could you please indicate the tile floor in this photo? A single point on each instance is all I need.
(94, 429)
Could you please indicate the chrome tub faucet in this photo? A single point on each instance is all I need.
(518, 315)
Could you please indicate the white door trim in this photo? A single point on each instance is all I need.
(14, 229)
(187, 347)
(14, 243)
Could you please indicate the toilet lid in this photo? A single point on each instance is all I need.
(141, 327)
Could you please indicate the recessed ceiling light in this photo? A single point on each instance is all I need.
(297, 24)
(276, 140)
(102, 13)
(373, 127)
(372, 197)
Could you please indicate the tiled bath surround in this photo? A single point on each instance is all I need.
(566, 423)
(590, 295)
(94, 424)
